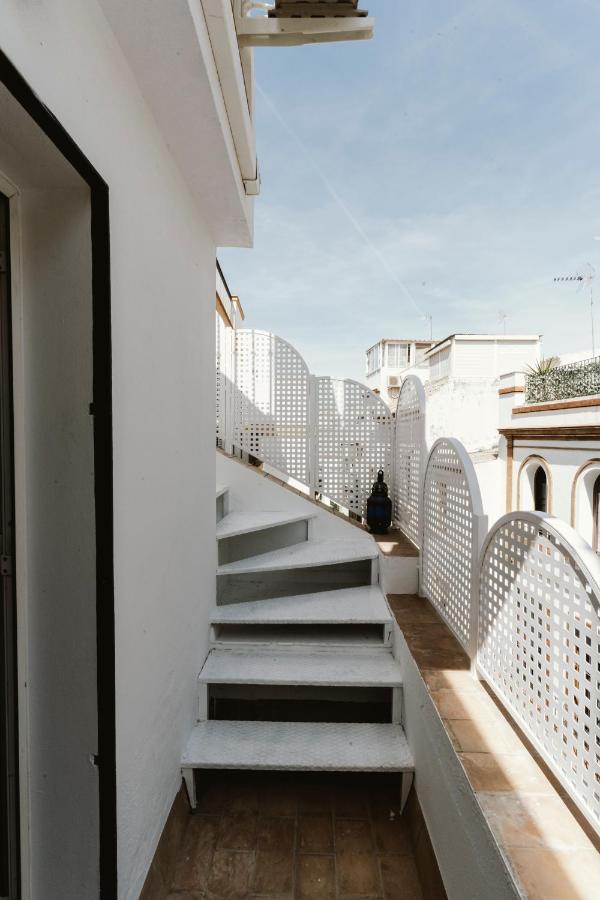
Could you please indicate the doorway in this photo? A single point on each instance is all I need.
(9, 807)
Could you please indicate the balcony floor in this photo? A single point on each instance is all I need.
(305, 836)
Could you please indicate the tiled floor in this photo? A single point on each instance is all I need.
(303, 836)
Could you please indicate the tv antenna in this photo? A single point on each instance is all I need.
(585, 279)
(429, 318)
(502, 317)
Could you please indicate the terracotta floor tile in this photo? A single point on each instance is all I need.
(392, 837)
(436, 659)
(278, 798)
(275, 834)
(400, 878)
(385, 804)
(350, 802)
(353, 836)
(483, 736)
(555, 875)
(358, 874)
(237, 831)
(451, 679)
(243, 798)
(314, 799)
(230, 875)
(213, 797)
(273, 872)
(452, 704)
(315, 834)
(494, 772)
(315, 878)
(195, 856)
(533, 821)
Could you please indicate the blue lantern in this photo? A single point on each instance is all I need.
(379, 507)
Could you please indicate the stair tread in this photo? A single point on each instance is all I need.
(345, 606)
(376, 669)
(246, 522)
(300, 746)
(304, 555)
(221, 489)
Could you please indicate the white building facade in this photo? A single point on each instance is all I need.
(387, 362)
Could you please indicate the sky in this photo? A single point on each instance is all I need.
(448, 167)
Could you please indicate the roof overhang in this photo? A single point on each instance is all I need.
(185, 58)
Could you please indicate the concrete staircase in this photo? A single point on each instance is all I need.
(300, 674)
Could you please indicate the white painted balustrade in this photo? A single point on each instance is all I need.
(539, 643)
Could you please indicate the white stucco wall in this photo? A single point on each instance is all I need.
(162, 268)
(466, 409)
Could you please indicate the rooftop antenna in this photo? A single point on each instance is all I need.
(585, 279)
(429, 318)
(502, 317)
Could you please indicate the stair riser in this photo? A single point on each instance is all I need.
(285, 703)
(281, 703)
(346, 637)
(243, 546)
(281, 583)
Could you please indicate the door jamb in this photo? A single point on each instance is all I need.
(101, 411)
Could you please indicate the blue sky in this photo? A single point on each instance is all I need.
(463, 146)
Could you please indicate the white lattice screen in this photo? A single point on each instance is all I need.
(271, 402)
(539, 645)
(409, 458)
(452, 522)
(353, 441)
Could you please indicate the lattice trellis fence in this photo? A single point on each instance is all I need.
(409, 458)
(539, 643)
(270, 415)
(353, 441)
(332, 435)
(453, 526)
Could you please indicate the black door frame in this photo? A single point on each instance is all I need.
(10, 883)
(101, 410)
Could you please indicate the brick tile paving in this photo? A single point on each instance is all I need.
(302, 836)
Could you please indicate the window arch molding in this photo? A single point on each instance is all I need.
(525, 482)
(582, 498)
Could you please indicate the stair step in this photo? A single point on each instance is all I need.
(237, 523)
(221, 490)
(348, 606)
(304, 555)
(374, 669)
(299, 746)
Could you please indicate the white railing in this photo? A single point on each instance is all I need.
(453, 528)
(331, 435)
(538, 647)
(410, 456)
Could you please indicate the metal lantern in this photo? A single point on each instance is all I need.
(379, 507)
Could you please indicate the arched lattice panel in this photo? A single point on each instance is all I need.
(409, 458)
(453, 521)
(353, 441)
(271, 402)
(539, 643)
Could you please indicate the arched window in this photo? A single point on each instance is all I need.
(596, 515)
(540, 490)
